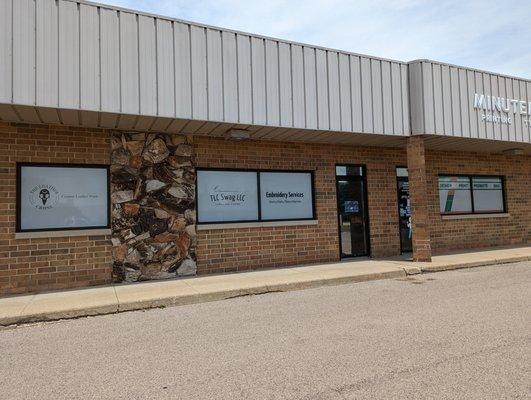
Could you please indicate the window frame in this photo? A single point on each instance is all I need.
(18, 202)
(472, 203)
(257, 172)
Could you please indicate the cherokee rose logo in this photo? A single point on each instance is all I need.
(43, 197)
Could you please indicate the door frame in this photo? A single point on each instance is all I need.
(363, 179)
(398, 179)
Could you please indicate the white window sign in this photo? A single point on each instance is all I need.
(227, 196)
(488, 194)
(62, 197)
(471, 194)
(454, 194)
(286, 195)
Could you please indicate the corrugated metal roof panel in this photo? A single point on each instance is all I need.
(77, 55)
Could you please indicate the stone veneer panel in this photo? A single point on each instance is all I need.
(153, 206)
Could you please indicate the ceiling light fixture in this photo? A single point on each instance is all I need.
(238, 134)
(513, 152)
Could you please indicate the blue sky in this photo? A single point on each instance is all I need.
(493, 35)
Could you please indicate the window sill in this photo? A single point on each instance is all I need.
(475, 216)
(264, 224)
(66, 233)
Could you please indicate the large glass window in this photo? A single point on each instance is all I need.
(227, 196)
(454, 194)
(252, 195)
(488, 194)
(52, 197)
(471, 194)
(286, 195)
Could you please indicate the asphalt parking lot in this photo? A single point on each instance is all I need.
(458, 334)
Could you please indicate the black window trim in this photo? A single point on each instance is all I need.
(257, 172)
(18, 212)
(470, 178)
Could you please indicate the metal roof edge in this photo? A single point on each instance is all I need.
(290, 42)
(469, 69)
(202, 25)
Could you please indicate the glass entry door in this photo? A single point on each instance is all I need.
(404, 210)
(352, 211)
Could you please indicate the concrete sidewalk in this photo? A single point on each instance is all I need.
(126, 297)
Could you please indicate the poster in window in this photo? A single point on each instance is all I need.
(351, 207)
(454, 194)
(286, 195)
(488, 194)
(227, 196)
(55, 197)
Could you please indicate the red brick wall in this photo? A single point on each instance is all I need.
(48, 263)
(447, 235)
(246, 248)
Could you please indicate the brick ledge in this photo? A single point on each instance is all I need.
(65, 233)
(206, 227)
(475, 216)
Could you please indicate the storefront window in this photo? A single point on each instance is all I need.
(56, 197)
(471, 194)
(227, 196)
(254, 196)
(286, 195)
(488, 194)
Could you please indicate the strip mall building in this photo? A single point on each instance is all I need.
(137, 147)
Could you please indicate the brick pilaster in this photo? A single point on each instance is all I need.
(418, 194)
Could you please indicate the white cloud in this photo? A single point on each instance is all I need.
(485, 34)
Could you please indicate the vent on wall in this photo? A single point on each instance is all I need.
(514, 152)
(237, 134)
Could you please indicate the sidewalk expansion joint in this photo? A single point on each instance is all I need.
(117, 299)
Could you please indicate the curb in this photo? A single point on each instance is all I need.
(474, 264)
(195, 298)
(117, 307)
(57, 315)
